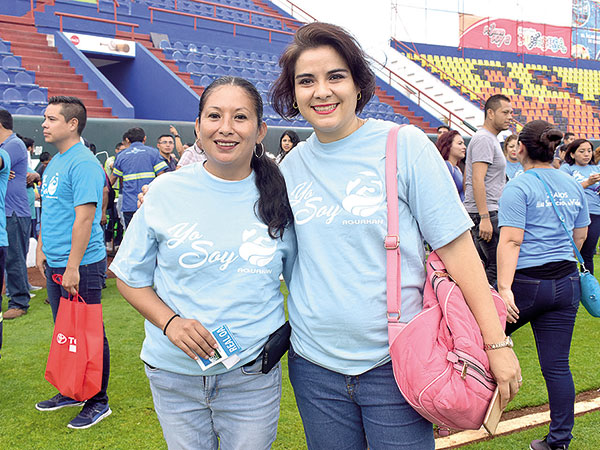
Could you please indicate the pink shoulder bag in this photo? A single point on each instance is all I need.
(439, 362)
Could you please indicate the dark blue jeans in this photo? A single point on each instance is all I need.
(591, 241)
(91, 280)
(127, 216)
(2, 260)
(551, 306)
(355, 412)
(17, 229)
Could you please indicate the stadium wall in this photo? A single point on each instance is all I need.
(155, 91)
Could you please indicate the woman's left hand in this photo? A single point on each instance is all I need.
(511, 308)
(504, 365)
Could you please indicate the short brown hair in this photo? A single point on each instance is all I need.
(313, 35)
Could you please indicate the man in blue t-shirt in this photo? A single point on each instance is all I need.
(4, 173)
(18, 220)
(136, 166)
(71, 242)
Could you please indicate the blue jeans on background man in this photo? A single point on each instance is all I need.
(355, 412)
(2, 260)
(588, 249)
(551, 306)
(90, 289)
(18, 230)
(239, 407)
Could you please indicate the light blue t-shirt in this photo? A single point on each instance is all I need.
(71, 179)
(513, 169)
(525, 204)
(337, 304)
(582, 173)
(198, 242)
(4, 173)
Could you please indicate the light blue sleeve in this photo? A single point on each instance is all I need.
(87, 178)
(583, 219)
(512, 207)
(430, 191)
(135, 262)
(6, 161)
(566, 168)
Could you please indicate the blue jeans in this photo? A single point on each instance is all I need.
(355, 412)
(2, 260)
(127, 216)
(239, 408)
(91, 280)
(17, 229)
(551, 306)
(588, 249)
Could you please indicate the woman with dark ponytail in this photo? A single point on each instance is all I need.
(537, 272)
(205, 251)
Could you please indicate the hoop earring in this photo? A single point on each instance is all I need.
(262, 150)
(359, 97)
(295, 105)
(198, 147)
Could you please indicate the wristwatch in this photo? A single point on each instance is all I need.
(508, 342)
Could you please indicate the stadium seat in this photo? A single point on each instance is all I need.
(24, 110)
(12, 96)
(36, 97)
(5, 79)
(10, 63)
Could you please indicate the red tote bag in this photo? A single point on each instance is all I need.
(75, 360)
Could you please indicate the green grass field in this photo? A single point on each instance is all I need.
(133, 423)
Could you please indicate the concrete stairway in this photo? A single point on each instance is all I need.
(51, 70)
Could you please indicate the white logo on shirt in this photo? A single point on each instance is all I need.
(560, 198)
(201, 253)
(51, 187)
(310, 206)
(364, 195)
(257, 248)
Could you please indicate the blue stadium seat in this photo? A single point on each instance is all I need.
(178, 46)
(13, 97)
(205, 49)
(178, 56)
(205, 80)
(11, 63)
(164, 44)
(5, 79)
(192, 48)
(37, 97)
(24, 79)
(192, 68)
(4, 48)
(24, 110)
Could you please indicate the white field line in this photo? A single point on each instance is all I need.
(509, 426)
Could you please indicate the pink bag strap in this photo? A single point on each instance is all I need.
(392, 240)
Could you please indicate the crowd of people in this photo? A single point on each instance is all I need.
(315, 214)
(519, 237)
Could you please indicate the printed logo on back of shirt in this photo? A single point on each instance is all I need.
(560, 198)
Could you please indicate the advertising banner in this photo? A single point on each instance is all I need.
(102, 45)
(586, 29)
(514, 36)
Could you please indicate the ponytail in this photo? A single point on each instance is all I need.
(272, 206)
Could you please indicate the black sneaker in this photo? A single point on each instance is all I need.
(90, 415)
(541, 444)
(57, 402)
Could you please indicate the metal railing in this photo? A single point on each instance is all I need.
(95, 19)
(214, 19)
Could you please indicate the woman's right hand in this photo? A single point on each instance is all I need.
(505, 367)
(512, 312)
(141, 195)
(191, 337)
(593, 179)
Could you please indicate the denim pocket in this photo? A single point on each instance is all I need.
(525, 292)
(150, 368)
(291, 353)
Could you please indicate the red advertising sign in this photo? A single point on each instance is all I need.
(514, 36)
